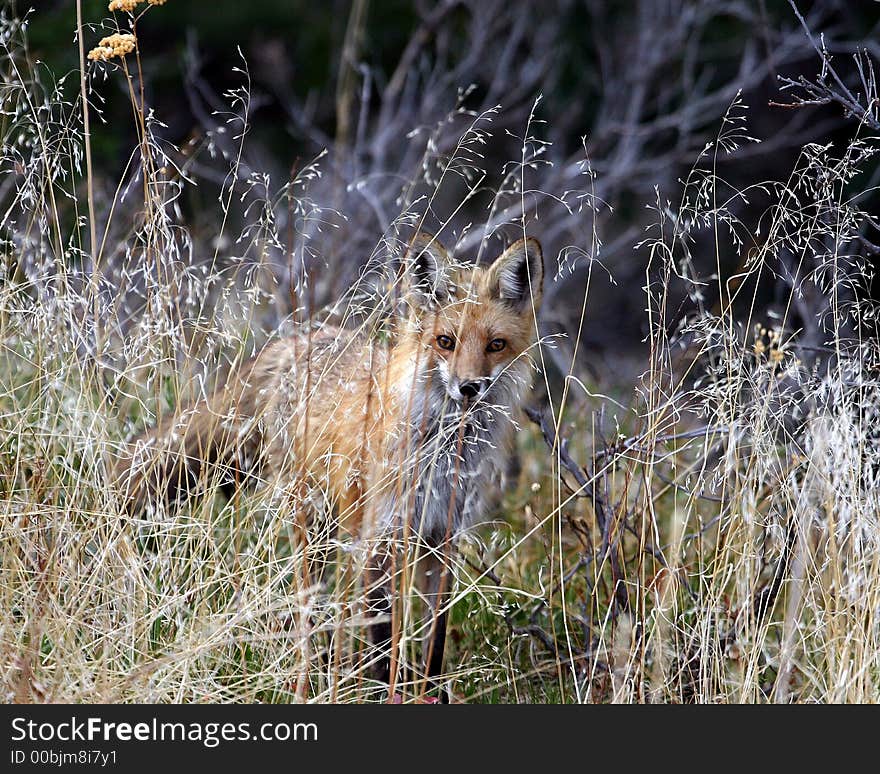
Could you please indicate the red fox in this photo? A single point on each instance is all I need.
(404, 438)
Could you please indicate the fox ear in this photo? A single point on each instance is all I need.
(427, 265)
(517, 276)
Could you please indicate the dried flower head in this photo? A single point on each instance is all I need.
(130, 5)
(113, 46)
(769, 343)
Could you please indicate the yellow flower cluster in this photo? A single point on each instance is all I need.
(773, 348)
(113, 46)
(129, 5)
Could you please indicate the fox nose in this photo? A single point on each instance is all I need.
(472, 389)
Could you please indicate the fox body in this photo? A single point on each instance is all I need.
(402, 438)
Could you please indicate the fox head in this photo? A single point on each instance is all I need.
(474, 325)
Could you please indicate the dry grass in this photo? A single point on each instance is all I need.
(709, 534)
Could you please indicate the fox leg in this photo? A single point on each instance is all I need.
(379, 598)
(436, 576)
(433, 573)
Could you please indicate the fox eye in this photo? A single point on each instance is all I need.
(446, 342)
(496, 345)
